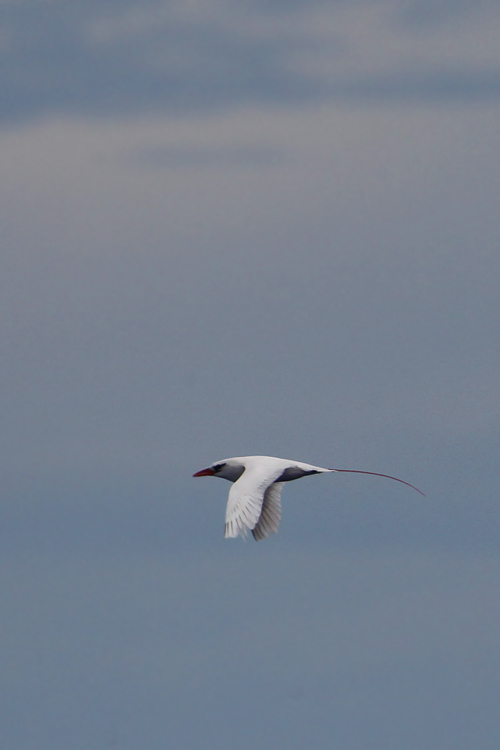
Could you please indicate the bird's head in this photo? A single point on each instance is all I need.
(229, 469)
(212, 471)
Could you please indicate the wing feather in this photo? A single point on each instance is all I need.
(247, 498)
(270, 516)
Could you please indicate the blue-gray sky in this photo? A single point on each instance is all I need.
(235, 228)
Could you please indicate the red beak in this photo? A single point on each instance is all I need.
(204, 473)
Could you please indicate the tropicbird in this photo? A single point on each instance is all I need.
(254, 502)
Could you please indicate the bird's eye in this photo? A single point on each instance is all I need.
(217, 468)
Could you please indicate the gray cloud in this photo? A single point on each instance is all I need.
(83, 59)
(435, 86)
(426, 13)
(223, 157)
(114, 58)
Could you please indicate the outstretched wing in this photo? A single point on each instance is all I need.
(247, 500)
(270, 515)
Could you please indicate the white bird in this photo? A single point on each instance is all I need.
(254, 502)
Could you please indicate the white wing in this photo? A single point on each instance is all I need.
(246, 498)
(270, 516)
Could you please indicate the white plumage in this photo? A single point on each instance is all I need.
(254, 502)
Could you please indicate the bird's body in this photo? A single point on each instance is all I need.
(254, 502)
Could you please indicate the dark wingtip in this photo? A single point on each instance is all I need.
(376, 474)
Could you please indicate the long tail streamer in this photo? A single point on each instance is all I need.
(375, 474)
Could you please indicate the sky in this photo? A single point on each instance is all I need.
(233, 229)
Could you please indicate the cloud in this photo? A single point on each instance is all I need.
(113, 58)
(223, 157)
(426, 13)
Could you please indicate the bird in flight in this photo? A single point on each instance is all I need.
(254, 502)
